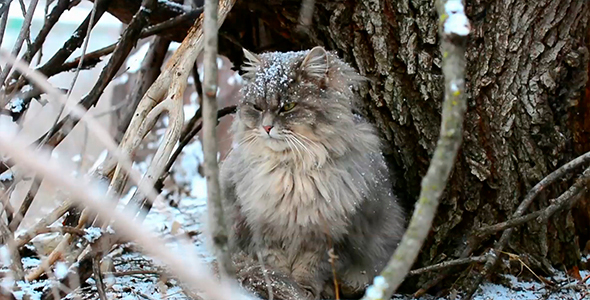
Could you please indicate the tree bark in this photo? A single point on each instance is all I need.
(528, 104)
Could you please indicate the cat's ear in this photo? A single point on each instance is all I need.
(251, 63)
(315, 64)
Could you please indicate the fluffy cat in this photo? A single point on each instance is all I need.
(306, 175)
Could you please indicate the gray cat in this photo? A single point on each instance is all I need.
(306, 175)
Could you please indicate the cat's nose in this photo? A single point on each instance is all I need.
(267, 128)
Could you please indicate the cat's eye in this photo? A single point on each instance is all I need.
(256, 107)
(288, 106)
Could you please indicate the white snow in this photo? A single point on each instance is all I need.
(16, 105)
(5, 256)
(61, 270)
(190, 109)
(92, 234)
(457, 22)
(6, 176)
(235, 79)
(100, 159)
(134, 61)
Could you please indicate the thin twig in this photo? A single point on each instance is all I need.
(76, 40)
(24, 13)
(94, 57)
(533, 193)
(306, 12)
(82, 55)
(453, 44)
(518, 219)
(26, 204)
(186, 138)
(450, 263)
(127, 42)
(42, 224)
(4, 21)
(7, 239)
(98, 278)
(147, 74)
(24, 32)
(48, 24)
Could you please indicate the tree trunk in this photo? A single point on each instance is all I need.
(528, 102)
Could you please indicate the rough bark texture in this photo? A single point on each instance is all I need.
(526, 76)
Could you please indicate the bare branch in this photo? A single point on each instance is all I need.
(50, 21)
(26, 204)
(448, 264)
(24, 33)
(4, 21)
(453, 41)
(98, 278)
(7, 239)
(217, 224)
(94, 57)
(147, 74)
(533, 193)
(518, 219)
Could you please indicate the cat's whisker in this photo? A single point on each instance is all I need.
(307, 139)
(292, 146)
(298, 141)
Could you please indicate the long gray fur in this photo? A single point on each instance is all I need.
(317, 180)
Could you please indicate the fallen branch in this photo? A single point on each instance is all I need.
(453, 41)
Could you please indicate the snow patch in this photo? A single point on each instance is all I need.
(235, 79)
(457, 22)
(61, 270)
(134, 61)
(6, 176)
(92, 234)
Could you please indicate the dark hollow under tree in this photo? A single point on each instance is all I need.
(528, 95)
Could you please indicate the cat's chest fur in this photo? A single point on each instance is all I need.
(281, 201)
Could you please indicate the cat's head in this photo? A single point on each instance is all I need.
(293, 101)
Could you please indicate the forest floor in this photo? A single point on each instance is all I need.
(132, 275)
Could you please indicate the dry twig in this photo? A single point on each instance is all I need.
(217, 224)
(518, 219)
(453, 41)
(24, 33)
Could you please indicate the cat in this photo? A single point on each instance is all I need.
(305, 179)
